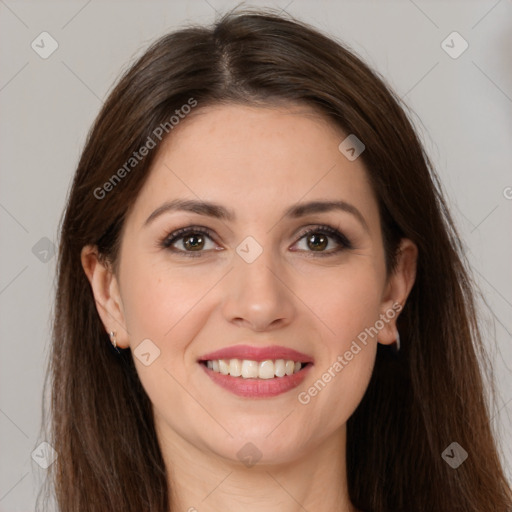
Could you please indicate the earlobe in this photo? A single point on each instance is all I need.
(106, 293)
(398, 287)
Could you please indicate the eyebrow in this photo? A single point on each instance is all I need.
(220, 212)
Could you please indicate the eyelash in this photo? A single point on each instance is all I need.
(340, 238)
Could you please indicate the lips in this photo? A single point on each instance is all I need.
(235, 369)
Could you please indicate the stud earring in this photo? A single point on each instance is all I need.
(114, 341)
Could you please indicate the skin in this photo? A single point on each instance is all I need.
(257, 161)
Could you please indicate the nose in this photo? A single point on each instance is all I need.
(257, 295)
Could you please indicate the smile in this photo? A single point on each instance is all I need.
(256, 372)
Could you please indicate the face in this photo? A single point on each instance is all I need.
(262, 279)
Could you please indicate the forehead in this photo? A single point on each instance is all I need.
(257, 160)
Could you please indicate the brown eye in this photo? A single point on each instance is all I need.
(323, 241)
(194, 242)
(317, 241)
(189, 241)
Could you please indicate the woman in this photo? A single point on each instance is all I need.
(262, 299)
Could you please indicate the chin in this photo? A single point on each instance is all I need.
(260, 448)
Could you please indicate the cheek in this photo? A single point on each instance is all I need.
(348, 305)
(165, 307)
(345, 301)
(339, 388)
(157, 301)
(341, 377)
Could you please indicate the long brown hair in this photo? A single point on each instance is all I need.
(416, 404)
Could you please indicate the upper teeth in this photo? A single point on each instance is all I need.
(254, 369)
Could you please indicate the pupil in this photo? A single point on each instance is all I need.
(317, 241)
(194, 245)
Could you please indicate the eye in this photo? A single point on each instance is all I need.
(190, 241)
(320, 238)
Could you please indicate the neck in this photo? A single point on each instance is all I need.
(202, 481)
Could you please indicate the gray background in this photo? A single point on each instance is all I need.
(462, 108)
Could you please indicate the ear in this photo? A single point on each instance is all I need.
(397, 290)
(106, 293)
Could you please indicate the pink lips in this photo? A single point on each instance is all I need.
(257, 388)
